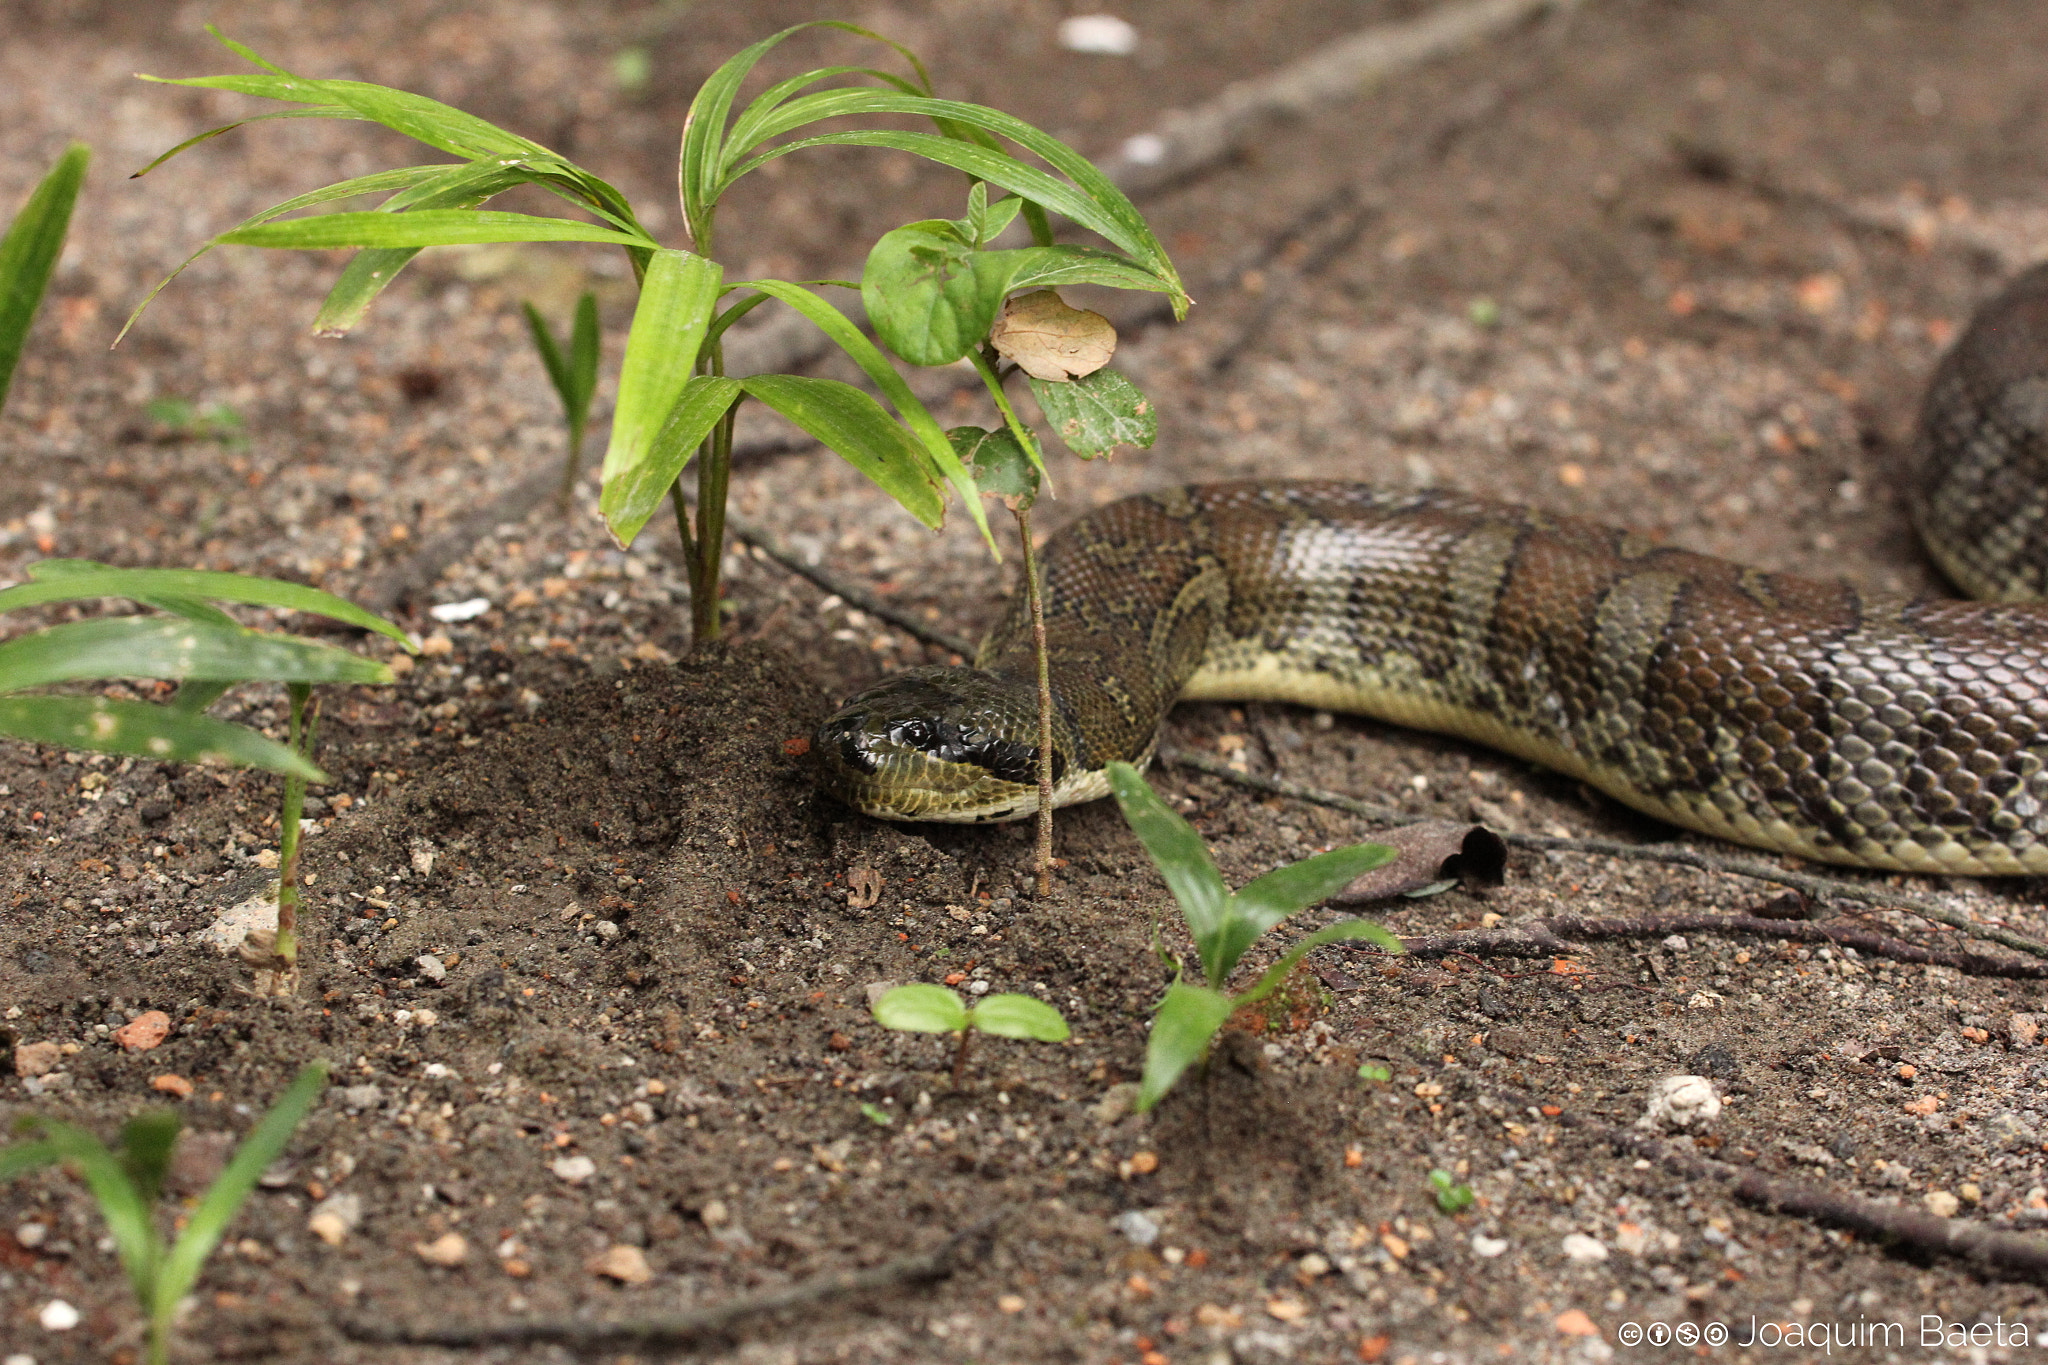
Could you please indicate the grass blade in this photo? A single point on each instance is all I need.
(168, 647)
(146, 1143)
(669, 322)
(121, 1204)
(29, 252)
(1187, 1019)
(633, 493)
(218, 1206)
(1284, 890)
(1181, 856)
(19, 1158)
(550, 353)
(861, 432)
(876, 366)
(135, 727)
(74, 584)
(423, 227)
(312, 111)
(584, 341)
(1342, 930)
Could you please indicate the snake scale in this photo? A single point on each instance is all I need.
(1781, 712)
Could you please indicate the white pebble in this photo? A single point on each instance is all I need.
(574, 1169)
(19, 1358)
(1137, 1229)
(1941, 1203)
(1579, 1247)
(431, 967)
(1677, 943)
(335, 1217)
(58, 1316)
(467, 610)
(1144, 149)
(31, 1235)
(1103, 34)
(1681, 1102)
(1489, 1247)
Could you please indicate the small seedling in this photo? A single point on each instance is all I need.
(185, 420)
(126, 1184)
(192, 641)
(934, 1009)
(574, 376)
(876, 1114)
(1224, 923)
(1452, 1196)
(1373, 1071)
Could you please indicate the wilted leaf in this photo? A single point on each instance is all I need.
(1048, 340)
(1430, 854)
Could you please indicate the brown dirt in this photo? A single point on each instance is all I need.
(1681, 266)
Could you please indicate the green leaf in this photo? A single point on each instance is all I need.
(929, 295)
(1183, 860)
(873, 1113)
(1001, 467)
(1187, 1019)
(1330, 933)
(1451, 1196)
(701, 171)
(1097, 412)
(146, 1143)
(584, 341)
(400, 179)
(861, 432)
(135, 727)
(426, 120)
(676, 302)
(1373, 1071)
(984, 223)
(19, 1158)
(169, 647)
(876, 366)
(217, 1207)
(423, 227)
(1051, 267)
(121, 1204)
(311, 111)
(921, 1009)
(73, 584)
(1018, 1016)
(631, 494)
(551, 357)
(194, 695)
(29, 252)
(1284, 890)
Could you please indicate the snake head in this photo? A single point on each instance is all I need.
(953, 744)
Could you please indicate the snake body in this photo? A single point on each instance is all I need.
(1772, 710)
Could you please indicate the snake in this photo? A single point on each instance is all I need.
(1785, 713)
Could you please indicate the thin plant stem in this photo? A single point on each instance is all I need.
(714, 476)
(1036, 602)
(305, 715)
(960, 1057)
(572, 467)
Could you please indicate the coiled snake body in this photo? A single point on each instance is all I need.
(1771, 710)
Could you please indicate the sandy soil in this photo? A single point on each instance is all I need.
(1682, 266)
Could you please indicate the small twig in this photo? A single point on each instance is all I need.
(963, 1247)
(1889, 1224)
(1820, 888)
(1546, 937)
(765, 541)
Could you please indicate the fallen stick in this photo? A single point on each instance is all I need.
(963, 1247)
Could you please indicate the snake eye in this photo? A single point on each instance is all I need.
(916, 734)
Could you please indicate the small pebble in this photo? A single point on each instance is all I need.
(574, 1169)
(57, 1316)
(1941, 1203)
(32, 1235)
(1677, 943)
(1101, 34)
(1116, 1102)
(1313, 1266)
(1681, 1102)
(431, 968)
(144, 1032)
(361, 1096)
(171, 1084)
(1010, 1303)
(466, 610)
(715, 1214)
(449, 1249)
(335, 1217)
(35, 1059)
(1579, 1247)
(1488, 1247)
(623, 1262)
(1137, 1228)
(19, 1358)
